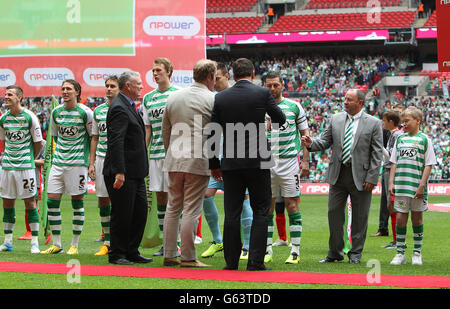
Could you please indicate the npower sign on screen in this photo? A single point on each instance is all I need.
(171, 25)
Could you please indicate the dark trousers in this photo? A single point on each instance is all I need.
(337, 200)
(384, 211)
(129, 210)
(258, 183)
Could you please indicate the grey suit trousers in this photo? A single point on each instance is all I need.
(337, 200)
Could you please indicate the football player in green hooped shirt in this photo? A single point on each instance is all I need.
(97, 157)
(71, 128)
(285, 174)
(154, 105)
(21, 134)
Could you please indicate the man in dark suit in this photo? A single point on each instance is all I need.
(125, 167)
(240, 112)
(356, 139)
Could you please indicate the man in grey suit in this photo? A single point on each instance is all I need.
(356, 139)
(187, 113)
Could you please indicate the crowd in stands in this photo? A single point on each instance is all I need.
(319, 75)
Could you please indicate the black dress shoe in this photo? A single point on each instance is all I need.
(330, 260)
(230, 268)
(378, 234)
(257, 267)
(121, 261)
(354, 261)
(140, 259)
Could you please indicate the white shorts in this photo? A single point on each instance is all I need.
(71, 180)
(285, 177)
(406, 204)
(100, 186)
(158, 180)
(18, 184)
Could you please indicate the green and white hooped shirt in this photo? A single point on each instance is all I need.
(285, 142)
(72, 129)
(411, 154)
(19, 132)
(99, 128)
(154, 106)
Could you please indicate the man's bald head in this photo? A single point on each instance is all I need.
(354, 101)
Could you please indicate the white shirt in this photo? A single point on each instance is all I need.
(356, 119)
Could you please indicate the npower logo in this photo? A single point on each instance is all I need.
(7, 77)
(443, 2)
(181, 78)
(95, 77)
(47, 76)
(171, 25)
(446, 64)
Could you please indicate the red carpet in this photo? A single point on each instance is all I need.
(223, 275)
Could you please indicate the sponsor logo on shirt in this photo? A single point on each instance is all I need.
(67, 131)
(15, 136)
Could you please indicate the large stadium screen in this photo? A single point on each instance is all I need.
(43, 42)
(58, 27)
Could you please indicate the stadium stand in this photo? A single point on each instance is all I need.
(233, 24)
(432, 21)
(342, 21)
(229, 6)
(337, 4)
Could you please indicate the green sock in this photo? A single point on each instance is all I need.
(418, 237)
(9, 219)
(295, 231)
(77, 221)
(33, 219)
(54, 220)
(401, 238)
(105, 217)
(161, 209)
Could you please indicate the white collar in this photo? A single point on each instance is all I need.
(357, 116)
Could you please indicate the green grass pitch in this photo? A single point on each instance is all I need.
(314, 246)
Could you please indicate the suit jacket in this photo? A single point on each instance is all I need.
(187, 112)
(366, 151)
(126, 151)
(239, 110)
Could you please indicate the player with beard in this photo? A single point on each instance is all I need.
(286, 147)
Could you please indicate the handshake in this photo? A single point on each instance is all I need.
(306, 140)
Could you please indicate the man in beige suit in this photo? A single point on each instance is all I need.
(187, 113)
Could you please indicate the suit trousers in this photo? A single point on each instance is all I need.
(337, 200)
(129, 210)
(384, 211)
(258, 183)
(186, 194)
